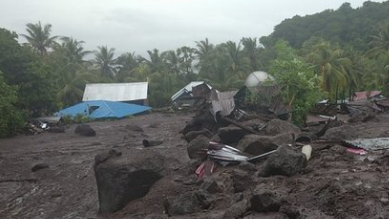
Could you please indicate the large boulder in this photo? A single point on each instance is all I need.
(187, 203)
(231, 134)
(265, 202)
(277, 126)
(285, 161)
(236, 210)
(256, 145)
(242, 180)
(85, 130)
(346, 132)
(193, 134)
(199, 143)
(121, 179)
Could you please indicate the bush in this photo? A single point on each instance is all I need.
(79, 118)
(11, 118)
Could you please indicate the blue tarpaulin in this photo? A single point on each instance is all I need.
(99, 109)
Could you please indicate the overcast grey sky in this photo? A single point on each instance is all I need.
(140, 25)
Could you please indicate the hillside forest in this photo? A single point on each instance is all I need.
(327, 55)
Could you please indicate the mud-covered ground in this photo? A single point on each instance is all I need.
(335, 184)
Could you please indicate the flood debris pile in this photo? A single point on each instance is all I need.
(245, 163)
(257, 164)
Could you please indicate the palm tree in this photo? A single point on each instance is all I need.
(380, 40)
(251, 50)
(104, 59)
(39, 37)
(172, 61)
(73, 50)
(126, 64)
(239, 64)
(203, 55)
(186, 58)
(156, 61)
(331, 66)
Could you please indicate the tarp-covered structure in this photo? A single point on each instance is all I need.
(100, 109)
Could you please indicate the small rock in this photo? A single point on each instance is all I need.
(211, 186)
(277, 126)
(184, 204)
(85, 130)
(241, 180)
(150, 143)
(291, 211)
(195, 146)
(247, 166)
(135, 128)
(39, 166)
(57, 129)
(265, 202)
(236, 210)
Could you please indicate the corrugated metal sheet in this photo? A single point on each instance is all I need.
(363, 95)
(187, 89)
(223, 102)
(372, 144)
(116, 91)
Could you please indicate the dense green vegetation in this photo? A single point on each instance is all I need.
(317, 56)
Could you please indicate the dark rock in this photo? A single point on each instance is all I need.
(256, 145)
(359, 116)
(100, 158)
(231, 134)
(216, 138)
(247, 166)
(193, 164)
(85, 130)
(193, 134)
(121, 179)
(242, 180)
(306, 137)
(150, 143)
(265, 202)
(156, 216)
(237, 197)
(188, 203)
(134, 128)
(256, 124)
(39, 166)
(285, 161)
(211, 186)
(273, 215)
(341, 133)
(277, 126)
(57, 129)
(203, 119)
(195, 146)
(291, 211)
(236, 210)
(205, 199)
(154, 125)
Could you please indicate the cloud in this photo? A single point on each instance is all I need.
(138, 26)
